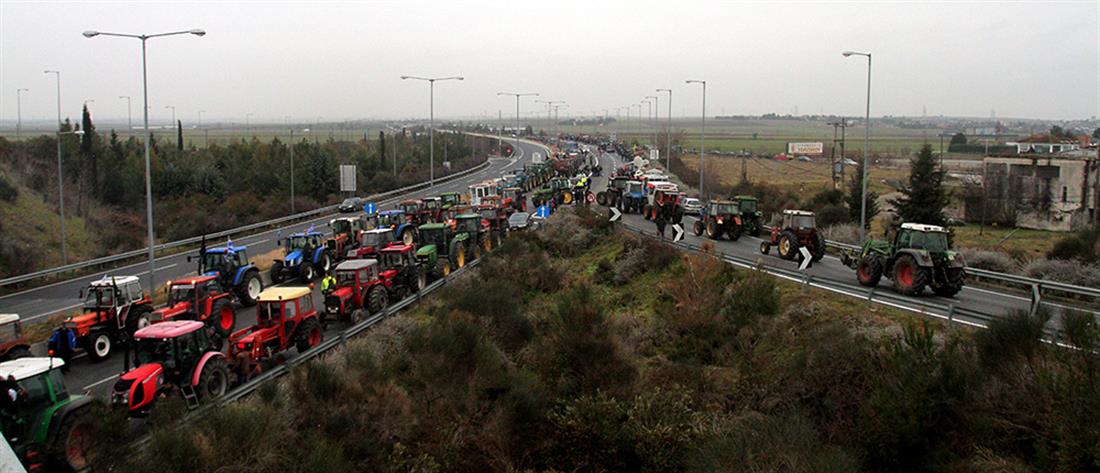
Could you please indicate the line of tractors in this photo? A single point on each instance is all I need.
(190, 345)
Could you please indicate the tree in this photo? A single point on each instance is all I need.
(855, 189)
(924, 199)
(381, 146)
(958, 139)
(1096, 134)
(179, 135)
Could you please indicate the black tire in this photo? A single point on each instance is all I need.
(755, 228)
(714, 232)
(697, 228)
(956, 278)
(324, 264)
(909, 278)
(309, 327)
(421, 279)
(72, 441)
(376, 299)
(764, 247)
(734, 232)
(99, 345)
(306, 272)
(278, 275)
(788, 245)
(137, 318)
(16, 353)
(214, 322)
(677, 216)
(458, 254)
(251, 282)
(869, 271)
(818, 250)
(214, 379)
(475, 251)
(356, 316)
(601, 198)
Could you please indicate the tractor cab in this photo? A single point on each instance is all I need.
(480, 191)
(469, 223)
(107, 304)
(199, 298)
(401, 271)
(930, 238)
(799, 220)
(177, 354)
(355, 291)
(514, 198)
(47, 427)
(634, 188)
(723, 209)
(450, 199)
(12, 343)
(370, 242)
(230, 264)
(751, 213)
(398, 221)
(285, 317)
(345, 235)
(432, 207)
(305, 256)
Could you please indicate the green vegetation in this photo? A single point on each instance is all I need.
(1083, 246)
(924, 199)
(869, 203)
(580, 348)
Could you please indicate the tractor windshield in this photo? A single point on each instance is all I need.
(469, 225)
(391, 259)
(802, 221)
(433, 236)
(345, 278)
(749, 205)
(376, 238)
(449, 199)
(931, 241)
(728, 209)
(154, 350)
(297, 242)
(9, 332)
(341, 226)
(181, 293)
(634, 187)
(410, 208)
(391, 219)
(214, 261)
(267, 312)
(488, 214)
(431, 204)
(100, 297)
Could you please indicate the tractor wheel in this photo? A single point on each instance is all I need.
(788, 245)
(755, 228)
(713, 232)
(955, 281)
(498, 237)
(324, 264)
(222, 319)
(306, 272)
(818, 251)
(376, 299)
(488, 244)
(73, 440)
(357, 315)
(601, 198)
(407, 237)
(421, 280)
(734, 232)
(214, 379)
(869, 271)
(99, 345)
(251, 287)
(308, 335)
(765, 247)
(137, 319)
(698, 227)
(909, 278)
(277, 273)
(645, 212)
(16, 353)
(459, 252)
(476, 252)
(445, 268)
(567, 198)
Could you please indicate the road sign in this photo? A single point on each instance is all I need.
(615, 214)
(370, 208)
(807, 258)
(591, 198)
(806, 148)
(347, 178)
(543, 211)
(679, 235)
(655, 155)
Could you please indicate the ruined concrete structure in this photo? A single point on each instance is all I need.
(1060, 193)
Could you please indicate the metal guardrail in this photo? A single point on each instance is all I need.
(224, 233)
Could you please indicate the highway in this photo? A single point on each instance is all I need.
(97, 378)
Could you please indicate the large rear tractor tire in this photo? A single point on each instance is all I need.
(956, 278)
(408, 237)
(869, 271)
(278, 274)
(72, 442)
(697, 228)
(734, 232)
(421, 279)
(458, 252)
(214, 379)
(307, 273)
(818, 251)
(223, 318)
(324, 264)
(376, 299)
(308, 335)
(909, 278)
(601, 198)
(137, 319)
(713, 231)
(251, 287)
(99, 345)
(788, 245)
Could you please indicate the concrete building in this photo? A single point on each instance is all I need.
(1060, 193)
(1044, 144)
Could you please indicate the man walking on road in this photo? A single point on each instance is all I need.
(660, 220)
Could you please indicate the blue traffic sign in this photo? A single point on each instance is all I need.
(370, 208)
(543, 211)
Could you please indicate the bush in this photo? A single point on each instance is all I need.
(844, 233)
(755, 294)
(832, 214)
(1066, 271)
(8, 192)
(758, 443)
(1083, 246)
(1009, 339)
(989, 260)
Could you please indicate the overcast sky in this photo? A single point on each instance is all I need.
(342, 60)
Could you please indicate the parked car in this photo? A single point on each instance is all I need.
(692, 206)
(350, 204)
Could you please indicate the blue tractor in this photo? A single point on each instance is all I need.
(305, 256)
(403, 226)
(233, 269)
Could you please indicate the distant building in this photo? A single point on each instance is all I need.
(1044, 144)
(1059, 193)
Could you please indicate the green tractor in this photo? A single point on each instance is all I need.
(441, 250)
(914, 256)
(449, 199)
(751, 217)
(476, 231)
(48, 428)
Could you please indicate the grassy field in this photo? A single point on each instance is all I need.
(32, 221)
(1015, 241)
(798, 176)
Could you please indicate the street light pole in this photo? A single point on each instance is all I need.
(205, 143)
(431, 120)
(517, 96)
(866, 149)
(668, 156)
(60, 178)
(129, 116)
(19, 111)
(148, 133)
(655, 105)
(702, 136)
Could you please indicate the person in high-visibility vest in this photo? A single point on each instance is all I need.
(328, 284)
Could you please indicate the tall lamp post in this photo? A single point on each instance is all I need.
(517, 96)
(655, 105)
(702, 136)
(549, 109)
(129, 116)
(668, 151)
(148, 133)
(431, 119)
(866, 148)
(60, 178)
(205, 144)
(19, 111)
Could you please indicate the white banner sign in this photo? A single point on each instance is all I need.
(806, 148)
(347, 178)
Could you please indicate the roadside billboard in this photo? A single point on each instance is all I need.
(347, 178)
(806, 148)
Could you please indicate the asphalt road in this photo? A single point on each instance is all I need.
(97, 378)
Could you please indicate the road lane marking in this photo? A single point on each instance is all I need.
(97, 383)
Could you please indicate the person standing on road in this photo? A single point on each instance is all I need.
(660, 221)
(328, 284)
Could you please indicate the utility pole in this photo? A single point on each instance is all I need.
(60, 178)
(668, 151)
(19, 111)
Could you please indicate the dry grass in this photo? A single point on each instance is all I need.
(264, 261)
(801, 177)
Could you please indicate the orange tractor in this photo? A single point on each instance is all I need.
(199, 298)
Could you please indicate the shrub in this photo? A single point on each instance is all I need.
(8, 192)
(755, 294)
(1066, 271)
(1083, 246)
(988, 260)
(1010, 339)
(844, 233)
(758, 443)
(831, 215)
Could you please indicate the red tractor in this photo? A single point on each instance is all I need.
(797, 230)
(174, 356)
(416, 211)
(514, 198)
(667, 198)
(345, 235)
(360, 291)
(433, 206)
(12, 343)
(114, 308)
(199, 298)
(719, 217)
(495, 219)
(371, 242)
(285, 318)
(401, 271)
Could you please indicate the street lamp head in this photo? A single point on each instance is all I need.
(196, 32)
(91, 34)
(404, 77)
(848, 53)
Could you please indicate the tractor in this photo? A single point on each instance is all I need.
(441, 250)
(403, 228)
(450, 199)
(415, 211)
(233, 269)
(497, 219)
(477, 234)
(345, 235)
(797, 230)
(752, 218)
(719, 217)
(433, 206)
(12, 343)
(667, 198)
(514, 199)
(614, 192)
(632, 199)
(370, 242)
(304, 256)
(401, 271)
(479, 191)
(285, 318)
(48, 428)
(360, 291)
(169, 357)
(114, 308)
(199, 298)
(913, 256)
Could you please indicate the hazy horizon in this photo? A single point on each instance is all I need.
(339, 61)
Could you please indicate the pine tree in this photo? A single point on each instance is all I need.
(87, 149)
(924, 199)
(855, 189)
(381, 146)
(179, 135)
